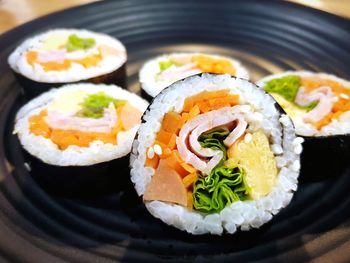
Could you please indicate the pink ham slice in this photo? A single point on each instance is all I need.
(67, 121)
(130, 116)
(325, 98)
(56, 55)
(166, 185)
(190, 149)
(109, 51)
(179, 72)
(236, 133)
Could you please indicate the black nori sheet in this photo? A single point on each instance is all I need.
(146, 96)
(31, 88)
(80, 181)
(324, 157)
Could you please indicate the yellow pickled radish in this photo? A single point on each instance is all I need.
(54, 42)
(256, 158)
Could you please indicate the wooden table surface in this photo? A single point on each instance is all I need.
(17, 12)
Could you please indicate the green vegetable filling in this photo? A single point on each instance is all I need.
(163, 65)
(288, 87)
(224, 185)
(220, 189)
(94, 104)
(214, 138)
(76, 43)
(308, 107)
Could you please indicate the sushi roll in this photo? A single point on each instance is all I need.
(164, 70)
(319, 105)
(62, 56)
(222, 158)
(78, 136)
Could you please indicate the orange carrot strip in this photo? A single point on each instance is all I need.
(189, 168)
(164, 136)
(189, 200)
(32, 57)
(89, 61)
(233, 99)
(190, 179)
(194, 112)
(65, 138)
(172, 122)
(154, 162)
(214, 65)
(175, 161)
(172, 142)
(218, 103)
(165, 149)
(203, 106)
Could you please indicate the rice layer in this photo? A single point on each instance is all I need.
(264, 115)
(151, 68)
(337, 126)
(97, 152)
(18, 62)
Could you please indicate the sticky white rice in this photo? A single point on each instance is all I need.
(150, 69)
(263, 115)
(18, 62)
(337, 126)
(73, 155)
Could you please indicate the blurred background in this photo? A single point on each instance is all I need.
(17, 12)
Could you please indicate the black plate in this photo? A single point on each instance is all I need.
(268, 37)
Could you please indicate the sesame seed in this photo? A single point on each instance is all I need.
(298, 149)
(296, 166)
(157, 149)
(150, 153)
(334, 99)
(298, 140)
(344, 96)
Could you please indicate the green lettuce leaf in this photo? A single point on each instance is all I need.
(286, 86)
(76, 43)
(308, 107)
(214, 139)
(163, 65)
(94, 104)
(220, 189)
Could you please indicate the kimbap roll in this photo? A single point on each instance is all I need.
(221, 158)
(77, 130)
(319, 105)
(164, 70)
(64, 56)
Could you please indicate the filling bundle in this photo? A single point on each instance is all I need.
(220, 158)
(66, 56)
(80, 124)
(162, 71)
(318, 103)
